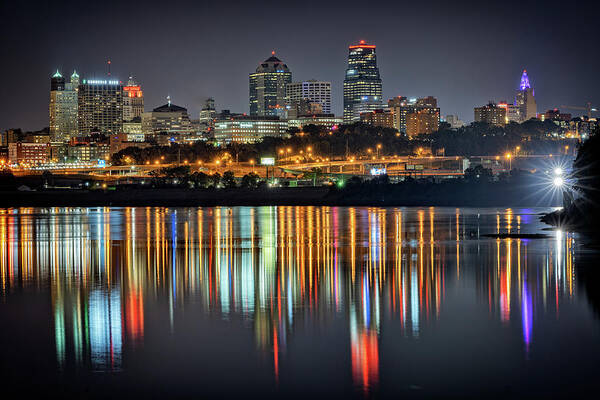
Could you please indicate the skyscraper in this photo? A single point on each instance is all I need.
(100, 107)
(362, 85)
(525, 99)
(63, 106)
(268, 87)
(133, 100)
(208, 115)
(313, 91)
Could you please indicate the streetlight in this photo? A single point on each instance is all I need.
(509, 158)
(378, 147)
(558, 181)
(558, 171)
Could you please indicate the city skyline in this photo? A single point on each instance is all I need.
(413, 64)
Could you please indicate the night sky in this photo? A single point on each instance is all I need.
(465, 54)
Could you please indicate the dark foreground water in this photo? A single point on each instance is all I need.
(290, 302)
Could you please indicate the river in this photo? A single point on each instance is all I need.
(292, 302)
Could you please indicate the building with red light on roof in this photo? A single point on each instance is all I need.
(362, 84)
(133, 101)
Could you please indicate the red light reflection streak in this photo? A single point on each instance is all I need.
(365, 359)
(275, 354)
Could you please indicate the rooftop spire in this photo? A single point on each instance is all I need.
(57, 74)
(524, 81)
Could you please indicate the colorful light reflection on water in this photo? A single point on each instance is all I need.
(280, 270)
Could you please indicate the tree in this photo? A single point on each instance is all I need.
(200, 179)
(228, 179)
(250, 181)
(478, 172)
(215, 179)
(586, 169)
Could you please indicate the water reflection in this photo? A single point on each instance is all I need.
(275, 267)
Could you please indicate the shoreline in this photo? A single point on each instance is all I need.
(306, 196)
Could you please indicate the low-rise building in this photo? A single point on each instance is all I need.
(249, 129)
(327, 120)
(122, 141)
(379, 117)
(28, 153)
(91, 152)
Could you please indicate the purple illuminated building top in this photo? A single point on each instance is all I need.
(524, 81)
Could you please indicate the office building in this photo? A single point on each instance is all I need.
(89, 152)
(268, 88)
(525, 99)
(133, 130)
(426, 107)
(133, 100)
(303, 107)
(422, 121)
(513, 112)
(454, 121)
(362, 84)
(63, 106)
(491, 114)
(100, 107)
(122, 141)
(329, 121)
(310, 92)
(207, 115)
(249, 129)
(168, 119)
(28, 153)
(381, 118)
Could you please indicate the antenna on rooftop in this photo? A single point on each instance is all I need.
(108, 67)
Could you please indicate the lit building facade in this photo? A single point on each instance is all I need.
(422, 121)
(249, 129)
(381, 118)
(362, 84)
(491, 114)
(133, 130)
(513, 113)
(454, 121)
(100, 107)
(314, 91)
(525, 99)
(208, 115)
(28, 153)
(133, 101)
(168, 119)
(63, 106)
(426, 110)
(268, 88)
(89, 152)
(329, 121)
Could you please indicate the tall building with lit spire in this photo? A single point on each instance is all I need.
(267, 88)
(133, 101)
(63, 106)
(362, 84)
(525, 99)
